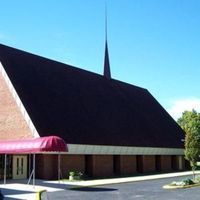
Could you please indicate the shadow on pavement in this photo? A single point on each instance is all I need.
(54, 185)
(38, 183)
(93, 189)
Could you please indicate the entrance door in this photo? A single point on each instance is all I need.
(19, 166)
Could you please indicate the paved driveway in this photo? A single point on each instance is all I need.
(141, 190)
(144, 190)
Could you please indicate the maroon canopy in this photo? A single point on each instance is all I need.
(35, 145)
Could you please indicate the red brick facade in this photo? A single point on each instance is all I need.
(99, 165)
(12, 124)
(125, 164)
(46, 166)
(147, 163)
(166, 163)
(104, 165)
(72, 163)
(163, 163)
(178, 163)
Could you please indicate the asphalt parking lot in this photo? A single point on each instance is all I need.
(146, 187)
(145, 190)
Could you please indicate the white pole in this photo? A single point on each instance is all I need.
(5, 160)
(30, 177)
(33, 170)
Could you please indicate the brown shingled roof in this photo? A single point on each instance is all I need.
(86, 108)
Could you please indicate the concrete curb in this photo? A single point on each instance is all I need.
(180, 186)
(127, 179)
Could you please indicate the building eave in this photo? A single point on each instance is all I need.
(121, 150)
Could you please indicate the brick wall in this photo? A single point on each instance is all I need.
(166, 163)
(12, 123)
(149, 163)
(125, 164)
(100, 165)
(72, 163)
(178, 163)
(174, 162)
(46, 166)
(103, 165)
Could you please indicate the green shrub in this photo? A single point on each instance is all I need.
(74, 175)
(188, 181)
(182, 183)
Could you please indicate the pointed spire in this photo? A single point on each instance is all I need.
(106, 73)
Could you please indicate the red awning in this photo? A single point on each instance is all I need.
(35, 145)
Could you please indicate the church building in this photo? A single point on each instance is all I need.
(109, 127)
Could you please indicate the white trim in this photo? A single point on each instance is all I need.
(18, 101)
(81, 149)
(121, 150)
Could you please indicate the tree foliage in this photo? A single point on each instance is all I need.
(190, 123)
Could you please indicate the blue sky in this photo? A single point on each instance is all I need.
(153, 44)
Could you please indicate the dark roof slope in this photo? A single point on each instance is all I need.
(86, 108)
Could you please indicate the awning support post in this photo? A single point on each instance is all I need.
(5, 165)
(32, 173)
(33, 170)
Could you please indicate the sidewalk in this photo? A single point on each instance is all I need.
(18, 189)
(129, 179)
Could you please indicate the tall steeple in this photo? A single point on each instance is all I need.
(106, 72)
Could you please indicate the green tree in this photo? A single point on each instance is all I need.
(190, 123)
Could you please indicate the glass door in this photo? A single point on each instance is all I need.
(19, 166)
